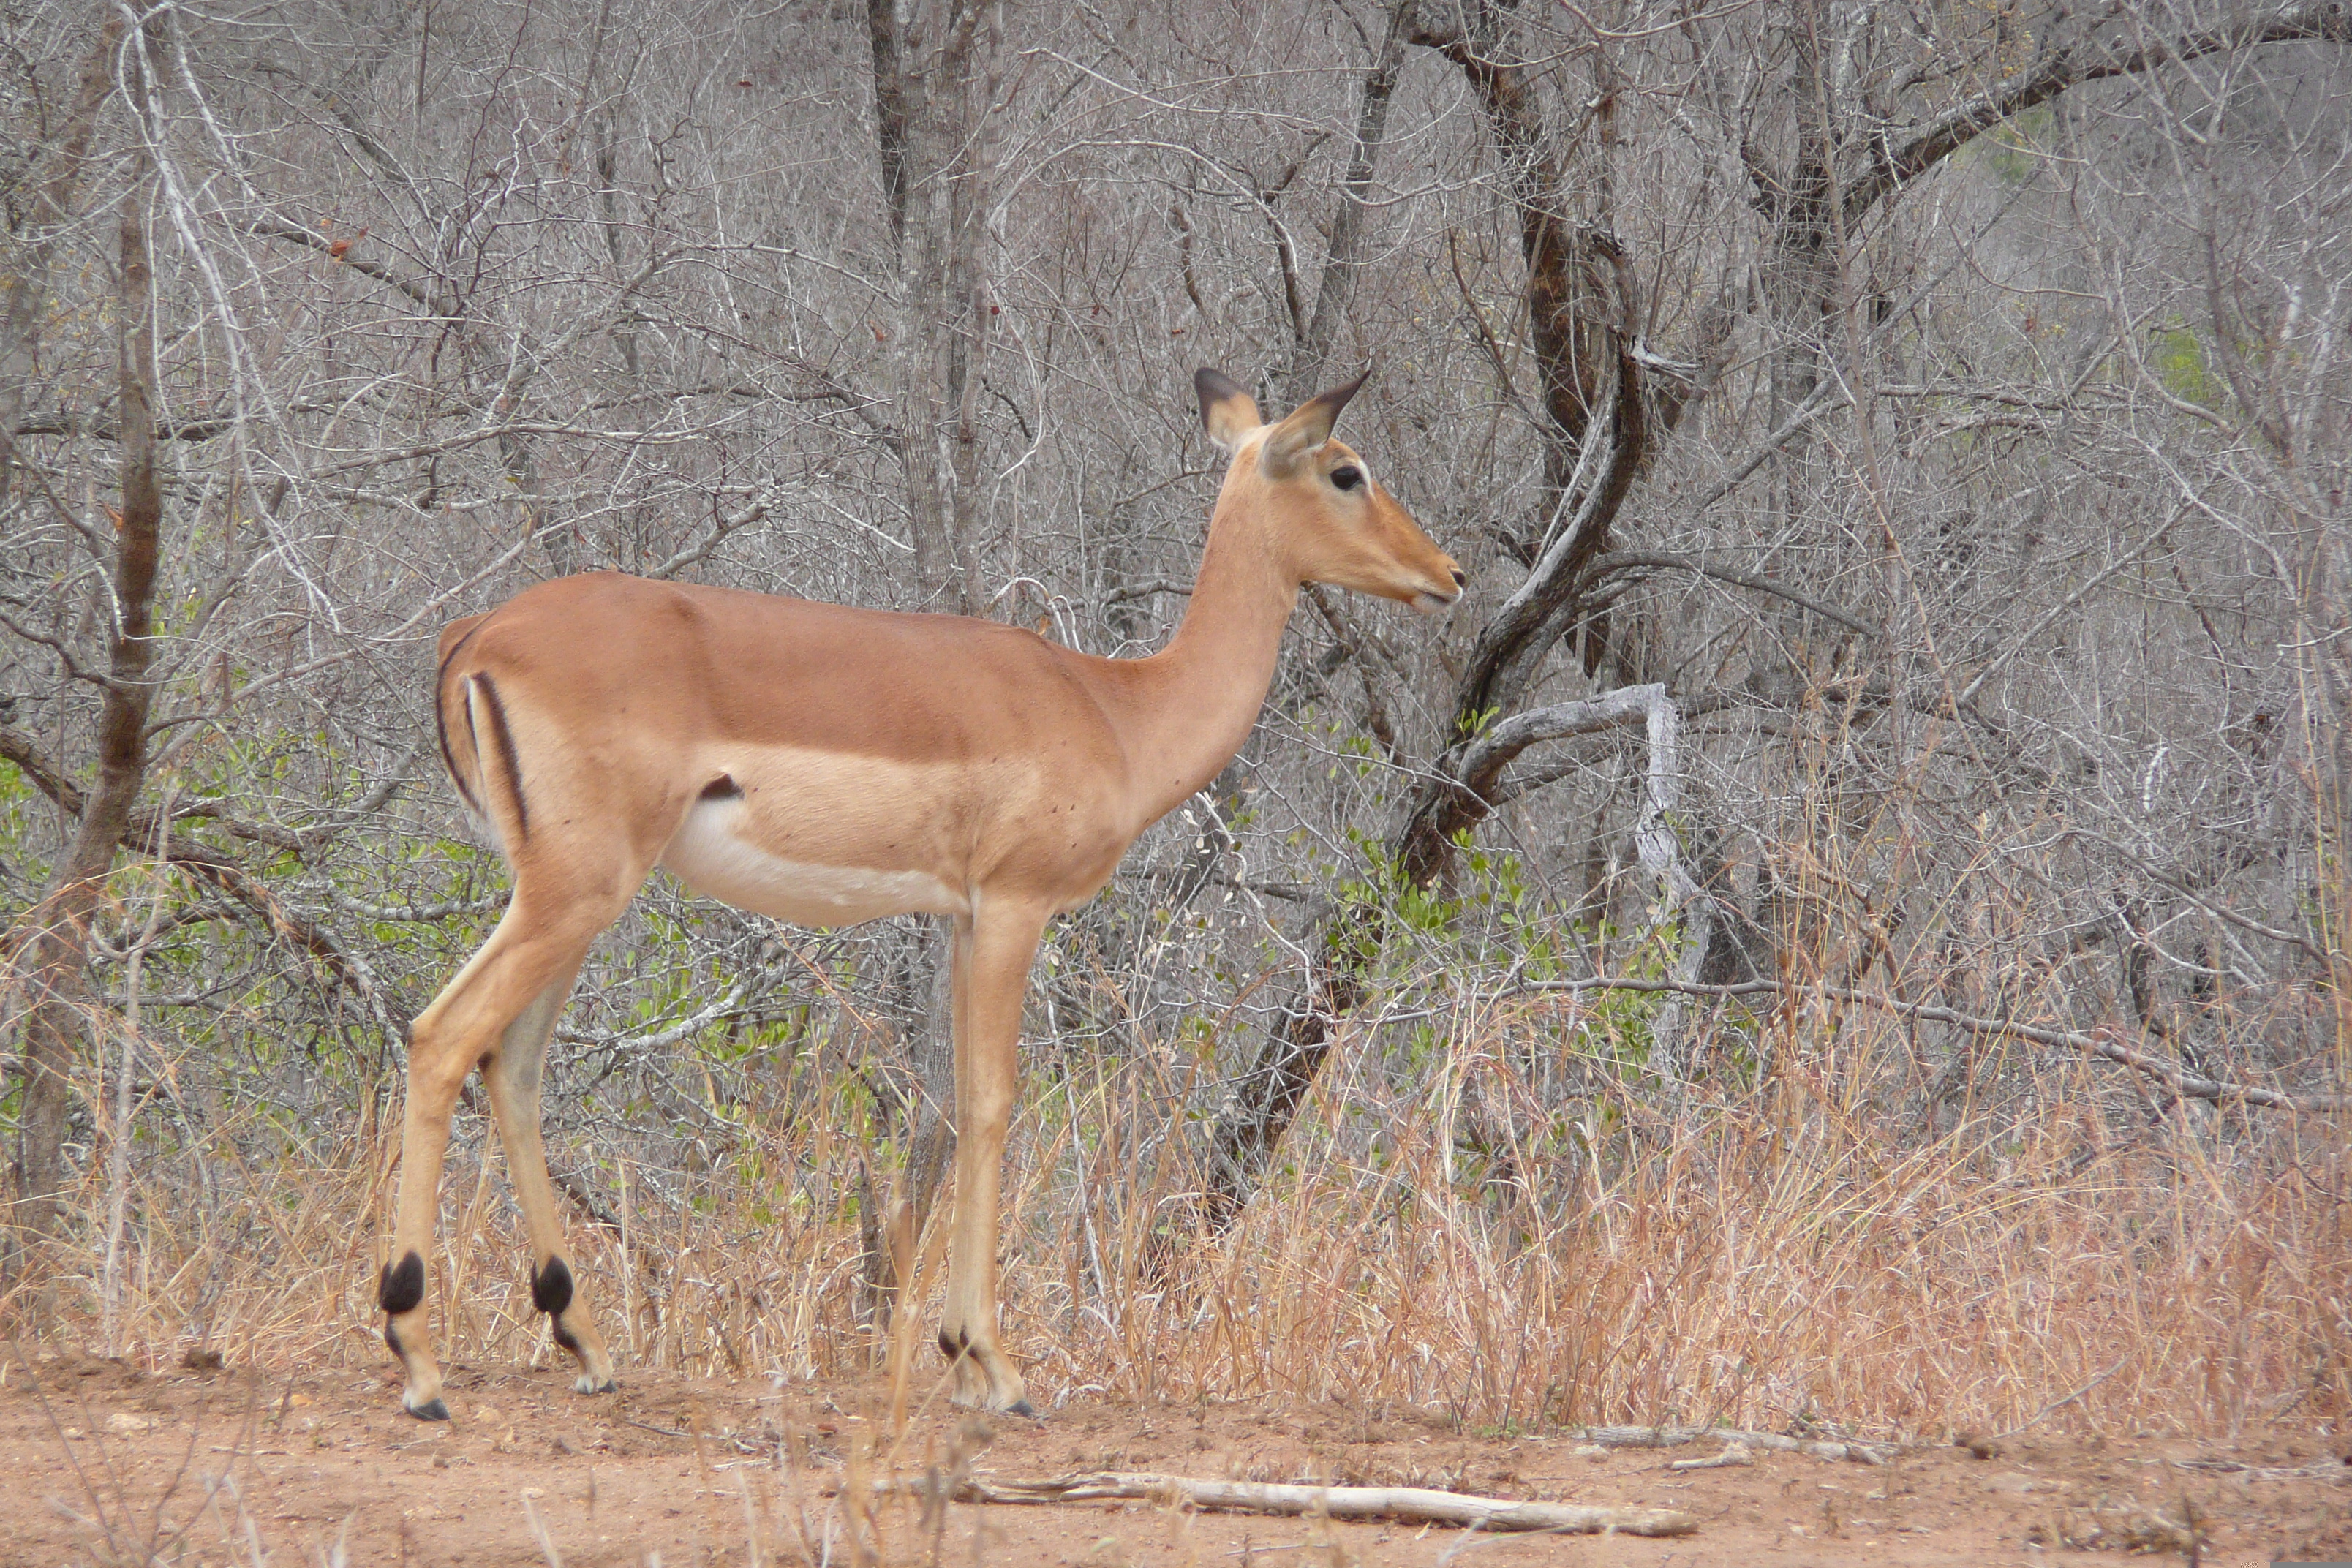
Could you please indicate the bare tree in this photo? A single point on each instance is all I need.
(1609, 402)
(937, 77)
(57, 1026)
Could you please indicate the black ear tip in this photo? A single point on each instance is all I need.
(1212, 385)
(1339, 396)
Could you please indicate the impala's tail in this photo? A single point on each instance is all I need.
(467, 712)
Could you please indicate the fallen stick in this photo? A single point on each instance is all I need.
(1676, 1436)
(1415, 1504)
(1737, 1454)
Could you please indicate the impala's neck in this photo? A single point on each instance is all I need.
(1192, 703)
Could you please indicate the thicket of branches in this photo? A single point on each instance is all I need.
(1899, 453)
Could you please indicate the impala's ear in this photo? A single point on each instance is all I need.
(1227, 413)
(1308, 426)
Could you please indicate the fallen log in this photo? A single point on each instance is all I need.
(1411, 1504)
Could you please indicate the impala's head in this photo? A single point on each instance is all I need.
(1329, 516)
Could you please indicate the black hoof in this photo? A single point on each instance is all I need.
(431, 1410)
(1023, 1407)
(610, 1385)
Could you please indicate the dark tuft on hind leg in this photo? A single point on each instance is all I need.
(402, 1287)
(551, 1292)
(550, 1289)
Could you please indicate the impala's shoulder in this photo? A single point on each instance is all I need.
(1073, 666)
(1026, 638)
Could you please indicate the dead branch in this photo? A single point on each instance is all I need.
(2103, 1042)
(1631, 561)
(2071, 66)
(1678, 1436)
(1733, 1456)
(1411, 1504)
(340, 251)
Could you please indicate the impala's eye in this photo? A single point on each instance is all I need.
(1347, 476)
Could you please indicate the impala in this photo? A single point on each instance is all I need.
(829, 765)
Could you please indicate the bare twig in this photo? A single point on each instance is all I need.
(2104, 1042)
(1655, 560)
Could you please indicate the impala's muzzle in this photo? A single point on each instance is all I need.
(1430, 601)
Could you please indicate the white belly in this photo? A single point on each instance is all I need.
(708, 857)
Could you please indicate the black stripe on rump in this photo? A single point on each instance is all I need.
(723, 787)
(500, 732)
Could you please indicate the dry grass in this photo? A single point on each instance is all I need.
(1797, 1253)
(1772, 1261)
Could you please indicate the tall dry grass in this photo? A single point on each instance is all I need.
(1793, 1246)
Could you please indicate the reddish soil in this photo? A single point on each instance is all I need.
(684, 1467)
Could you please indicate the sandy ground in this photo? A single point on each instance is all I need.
(103, 1461)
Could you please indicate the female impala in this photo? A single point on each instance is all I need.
(827, 765)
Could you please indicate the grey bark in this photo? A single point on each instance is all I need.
(58, 1025)
(25, 295)
(1351, 225)
(936, 69)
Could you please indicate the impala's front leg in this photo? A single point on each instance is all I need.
(993, 953)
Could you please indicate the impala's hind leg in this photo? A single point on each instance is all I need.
(513, 1081)
(539, 945)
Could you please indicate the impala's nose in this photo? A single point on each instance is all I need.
(1429, 601)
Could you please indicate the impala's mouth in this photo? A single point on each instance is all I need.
(1429, 601)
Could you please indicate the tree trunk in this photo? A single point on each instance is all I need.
(1352, 225)
(936, 79)
(1578, 299)
(927, 1005)
(58, 955)
(25, 294)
